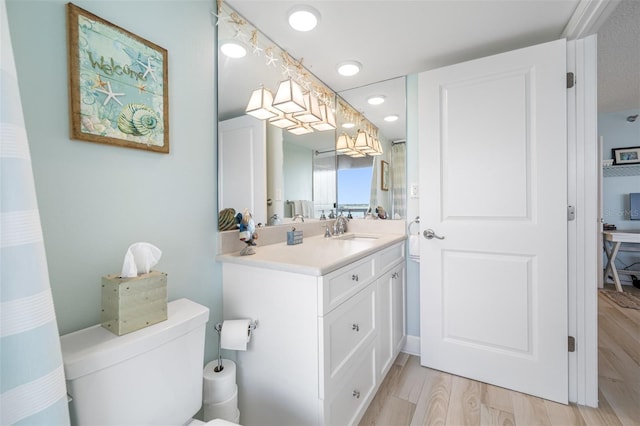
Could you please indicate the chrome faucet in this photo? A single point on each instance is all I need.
(340, 225)
(298, 216)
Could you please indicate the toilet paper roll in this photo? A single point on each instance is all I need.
(226, 410)
(218, 386)
(235, 334)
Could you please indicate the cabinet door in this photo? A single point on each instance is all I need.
(384, 318)
(346, 330)
(398, 303)
(391, 323)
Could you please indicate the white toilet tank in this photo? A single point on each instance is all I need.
(151, 376)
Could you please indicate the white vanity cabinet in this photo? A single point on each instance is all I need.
(323, 343)
(391, 317)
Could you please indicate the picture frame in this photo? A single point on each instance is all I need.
(384, 175)
(628, 155)
(118, 85)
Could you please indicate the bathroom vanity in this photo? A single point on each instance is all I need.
(331, 321)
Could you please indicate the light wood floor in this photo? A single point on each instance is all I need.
(415, 395)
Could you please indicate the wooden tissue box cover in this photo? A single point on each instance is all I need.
(129, 304)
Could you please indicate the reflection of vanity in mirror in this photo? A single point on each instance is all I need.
(280, 175)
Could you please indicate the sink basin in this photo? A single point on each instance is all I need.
(357, 237)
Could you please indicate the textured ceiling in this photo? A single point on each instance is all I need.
(619, 59)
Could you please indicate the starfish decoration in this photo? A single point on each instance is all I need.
(238, 35)
(110, 94)
(99, 83)
(257, 49)
(141, 88)
(271, 60)
(148, 69)
(286, 70)
(220, 17)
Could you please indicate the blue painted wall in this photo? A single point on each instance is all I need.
(617, 132)
(95, 199)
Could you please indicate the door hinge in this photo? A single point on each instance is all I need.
(572, 344)
(571, 213)
(571, 80)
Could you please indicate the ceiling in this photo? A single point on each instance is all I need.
(619, 59)
(393, 38)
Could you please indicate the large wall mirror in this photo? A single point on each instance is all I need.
(278, 174)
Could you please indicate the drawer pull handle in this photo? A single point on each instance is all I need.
(356, 394)
(354, 277)
(355, 327)
(395, 275)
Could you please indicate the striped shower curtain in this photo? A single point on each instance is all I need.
(32, 386)
(398, 180)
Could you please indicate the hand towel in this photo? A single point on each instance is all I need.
(414, 247)
(307, 208)
(297, 207)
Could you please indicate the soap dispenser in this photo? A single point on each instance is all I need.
(275, 220)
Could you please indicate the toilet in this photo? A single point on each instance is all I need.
(152, 376)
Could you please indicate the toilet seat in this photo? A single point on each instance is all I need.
(214, 422)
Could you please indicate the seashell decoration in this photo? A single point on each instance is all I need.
(138, 120)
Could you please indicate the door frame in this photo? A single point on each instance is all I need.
(585, 251)
(583, 232)
(583, 309)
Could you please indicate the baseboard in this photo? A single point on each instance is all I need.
(412, 345)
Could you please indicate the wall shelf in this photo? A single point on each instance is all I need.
(621, 170)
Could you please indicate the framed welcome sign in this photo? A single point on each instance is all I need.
(117, 84)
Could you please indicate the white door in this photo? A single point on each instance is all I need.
(493, 175)
(242, 163)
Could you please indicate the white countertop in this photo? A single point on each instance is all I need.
(316, 255)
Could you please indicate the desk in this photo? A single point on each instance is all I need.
(615, 240)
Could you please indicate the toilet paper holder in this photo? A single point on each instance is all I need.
(252, 326)
(218, 327)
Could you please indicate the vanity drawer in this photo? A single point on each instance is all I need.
(345, 331)
(389, 256)
(339, 285)
(348, 403)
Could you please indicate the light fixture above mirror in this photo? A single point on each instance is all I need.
(289, 97)
(260, 104)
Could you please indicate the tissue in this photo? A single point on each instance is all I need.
(139, 259)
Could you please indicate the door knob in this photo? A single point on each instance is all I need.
(430, 234)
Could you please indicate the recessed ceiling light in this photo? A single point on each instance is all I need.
(348, 125)
(391, 118)
(376, 100)
(303, 18)
(349, 68)
(233, 50)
